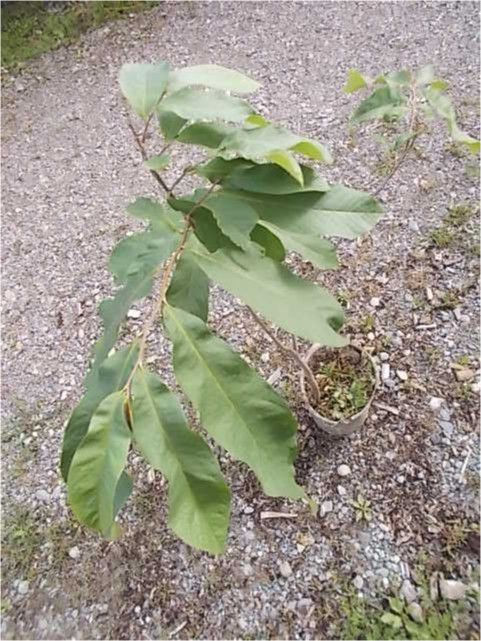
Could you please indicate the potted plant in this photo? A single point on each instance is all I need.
(259, 200)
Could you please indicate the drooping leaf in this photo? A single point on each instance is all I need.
(464, 139)
(196, 104)
(341, 211)
(98, 464)
(123, 490)
(287, 161)
(319, 251)
(143, 85)
(158, 213)
(158, 163)
(274, 291)
(114, 310)
(439, 85)
(261, 141)
(213, 76)
(199, 499)
(189, 288)
(398, 78)
(170, 124)
(235, 217)
(207, 134)
(149, 248)
(270, 243)
(384, 101)
(355, 81)
(236, 406)
(425, 75)
(265, 179)
(110, 377)
(443, 107)
(256, 120)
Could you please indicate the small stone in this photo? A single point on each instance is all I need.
(452, 590)
(74, 553)
(447, 427)
(413, 225)
(265, 357)
(464, 375)
(248, 510)
(133, 313)
(325, 508)
(433, 587)
(385, 371)
(247, 570)
(358, 582)
(343, 470)
(384, 356)
(341, 490)
(375, 302)
(415, 611)
(42, 495)
(22, 587)
(400, 479)
(402, 375)
(285, 569)
(408, 591)
(370, 336)
(435, 403)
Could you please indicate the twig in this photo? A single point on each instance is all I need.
(143, 153)
(304, 366)
(278, 515)
(144, 133)
(177, 629)
(177, 180)
(408, 146)
(464, 466)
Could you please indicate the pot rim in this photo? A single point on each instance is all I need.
(342, 421)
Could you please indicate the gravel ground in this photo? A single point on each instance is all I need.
(69, 169)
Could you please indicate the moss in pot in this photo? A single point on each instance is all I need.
(338, 386)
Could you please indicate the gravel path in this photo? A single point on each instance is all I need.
(69, 169)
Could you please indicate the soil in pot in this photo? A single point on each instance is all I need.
(346, 380)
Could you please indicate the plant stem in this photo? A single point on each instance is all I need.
(408, 146)
(293, 352)
(143, 153)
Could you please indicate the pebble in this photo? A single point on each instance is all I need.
(341, 490)
(384, 356)
(248, 510)
(370, 336)
(375, 302)
(74, 553)
(358, 582)
(133, 313)
(435, 403)
(42, 495)
(343, 470)
(402, 374)
(408, 591)
(447, 427)
(385, 371)
(415, 611)
(452, 590)
(285, 569)
(325, 508)
(265, 357)
(22, 587)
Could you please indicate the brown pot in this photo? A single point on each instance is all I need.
(345, 426)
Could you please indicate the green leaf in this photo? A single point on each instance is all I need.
(170, 124)
(396, 605)
(197, 104)
(199, 499)
(236, 406)
(98, 464)
(189, 288)
(149, 248)
(398, 78)
(274, 291)
(287, 161)
(114, 310)
(235, 217)
(319, 251)
(464, 139)
(123, 491)
(158, 162)
(207, 134)
(264, 179)
(384, 101)
(439, 85)
(388, 618)
(270, 243)
(341, 211)
(256, 120)
(213, 76)
(425, 75)
(111, 376)
(261, 141)
(443, 107)
(143, 85)
(160, 214)
(355, 81)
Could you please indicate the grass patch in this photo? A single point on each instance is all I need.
(450, 232)
(31, 28)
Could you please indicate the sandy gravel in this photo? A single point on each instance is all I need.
(69, 169)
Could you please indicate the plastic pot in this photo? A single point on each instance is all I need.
(345, 426)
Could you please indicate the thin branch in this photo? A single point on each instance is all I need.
(292, 352)
(144, 133)
(178, 180)
(408, 146)
(143, 153)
